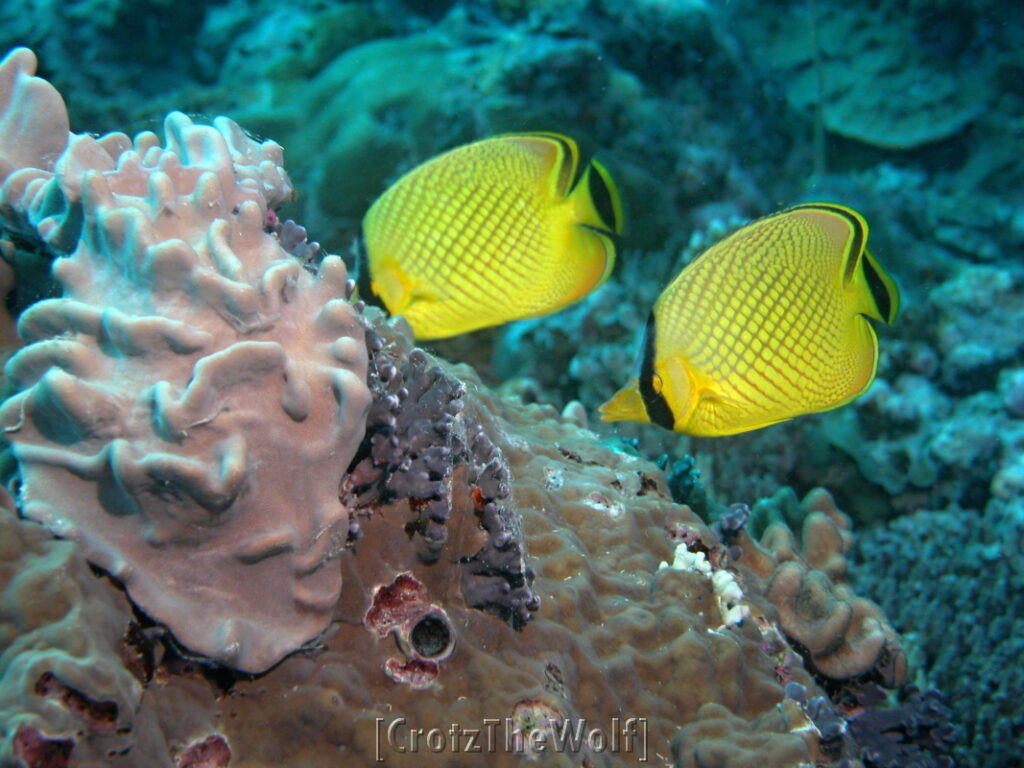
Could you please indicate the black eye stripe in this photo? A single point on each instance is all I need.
(658, 410)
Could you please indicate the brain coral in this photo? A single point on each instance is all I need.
(189, 366)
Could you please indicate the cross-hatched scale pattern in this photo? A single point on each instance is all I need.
(777, 329)
(492, 227)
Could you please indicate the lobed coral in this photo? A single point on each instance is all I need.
(841, 636)
(614, 636)
(60, 637)
(142, 430)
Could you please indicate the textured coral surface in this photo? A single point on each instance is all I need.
(616, 635)
(144, 429)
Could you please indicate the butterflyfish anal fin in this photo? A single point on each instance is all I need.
(865, 360)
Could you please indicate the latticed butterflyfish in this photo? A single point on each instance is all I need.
(505, 228)
(768, 324)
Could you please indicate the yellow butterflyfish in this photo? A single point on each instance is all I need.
(768, 324)
(502, 229)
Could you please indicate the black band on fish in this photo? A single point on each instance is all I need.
(658, 410)
(570, 163)
(602, 197)
(879, 290)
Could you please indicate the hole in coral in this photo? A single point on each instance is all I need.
(431, 636)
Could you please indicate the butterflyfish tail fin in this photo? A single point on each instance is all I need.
(885, 294)
(626, 405)
(600, 201)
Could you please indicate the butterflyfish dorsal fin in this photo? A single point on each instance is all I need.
(847, 230)
(559, 156)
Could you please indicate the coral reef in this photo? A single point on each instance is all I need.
(840, 635)
(953, 576)
(613, 636)
(704, 130)
(142, 430)
(853, 62)
(490, 560)
(414, 441)
(60, 633)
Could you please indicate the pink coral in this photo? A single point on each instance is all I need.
(190, 404)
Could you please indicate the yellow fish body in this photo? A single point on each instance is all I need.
(497, 230)
(766, 325)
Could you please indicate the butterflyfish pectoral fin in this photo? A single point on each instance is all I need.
(717, 415)
(625, 405)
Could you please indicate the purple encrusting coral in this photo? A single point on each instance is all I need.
(409, 449)
(857, 730)
(417, 433)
